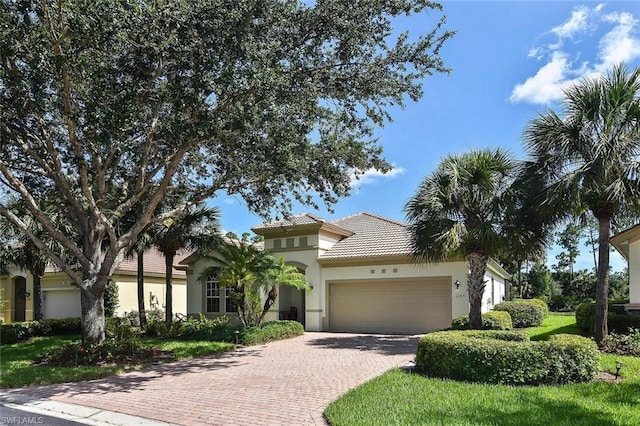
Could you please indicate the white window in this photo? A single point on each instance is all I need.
(212, 288)
(229, 306)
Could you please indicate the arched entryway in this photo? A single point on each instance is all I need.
(19, 299)
(292, 302)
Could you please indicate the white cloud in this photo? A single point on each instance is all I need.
(576, 24)
(546, 85)
(372, 175)
(619, 43)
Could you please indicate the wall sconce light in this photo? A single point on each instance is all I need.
(457, 284)
(27, 294)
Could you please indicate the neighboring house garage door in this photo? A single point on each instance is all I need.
(61, 304)
(412, 306)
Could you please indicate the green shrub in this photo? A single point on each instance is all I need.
(538, 302)
(617, 322)
(157, 328)
(494, 320)
(134, 317)
(622, 344)
(523, 313)
(218, 329)
(120, 328)
(270, 331)
(622, 323)
(506, 357)
(111, 298)
(59, 326)
(113, 351)
(585, 316)
(18, 331)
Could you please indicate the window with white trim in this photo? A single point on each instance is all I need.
(212, 293)
(229, 306)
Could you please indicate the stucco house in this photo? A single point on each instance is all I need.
(362, 274)
(60, 299)
(628, 244)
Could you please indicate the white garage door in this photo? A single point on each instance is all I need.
(390, 306)
(61, 304)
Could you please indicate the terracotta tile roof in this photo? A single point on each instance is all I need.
(374, 236)
(295, 220)
(153, 264)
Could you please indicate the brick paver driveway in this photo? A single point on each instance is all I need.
(287, 382)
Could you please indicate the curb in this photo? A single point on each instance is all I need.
(73, 412)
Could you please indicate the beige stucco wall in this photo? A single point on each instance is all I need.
(7, 284)
(634, 272)
(127, 292)
(154, 287)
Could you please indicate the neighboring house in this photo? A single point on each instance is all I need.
(60, 299)
(628, 244)
(363, 278)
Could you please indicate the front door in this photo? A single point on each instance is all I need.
(20, 299)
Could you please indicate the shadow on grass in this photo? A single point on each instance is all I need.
(567, 329)
(404, 398)
(384, 344)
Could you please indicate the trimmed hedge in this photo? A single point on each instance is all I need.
(507, 357)
(494, 320)
(538, 302)
(524, 313)
(17, 331)
(271, 331)
(617, 322)
(201, 328)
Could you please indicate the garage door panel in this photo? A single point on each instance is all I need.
(61, 304)
(390, 306)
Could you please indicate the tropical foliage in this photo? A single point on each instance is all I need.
(252, 275)
(588, 157)
(197, 229)
(111, 105)
(461, 211)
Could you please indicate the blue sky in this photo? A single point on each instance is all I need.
(510, 61)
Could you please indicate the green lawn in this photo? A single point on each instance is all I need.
(16, 369)
(401, 398)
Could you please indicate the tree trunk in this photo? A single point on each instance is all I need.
(520, 278)
(141, 310)
(37, 297)
(271, 299)
(168, 270)
(93, 322)
(475, 286)
(602, 286)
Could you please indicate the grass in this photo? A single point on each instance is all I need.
(402, 398)
(16, 369)
(554, 324)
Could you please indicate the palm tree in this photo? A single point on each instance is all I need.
(589, 158)
(250, 272)
(244, 264)
(142, 244)
(197, 228)
(458, 212)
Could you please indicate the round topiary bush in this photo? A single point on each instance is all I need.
(507, 357)
(585, 316)
(493, 320)
(523, 313)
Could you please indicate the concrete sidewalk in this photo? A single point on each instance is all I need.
(71, 412)
(280, 383)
